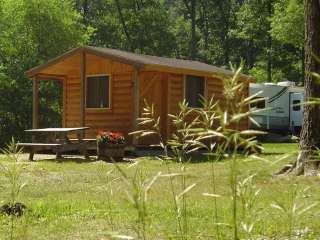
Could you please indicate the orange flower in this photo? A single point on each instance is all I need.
(110, 137)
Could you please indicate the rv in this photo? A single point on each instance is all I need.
(282, 101)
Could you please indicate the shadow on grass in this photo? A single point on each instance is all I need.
(81, 159)
(154, 155)
(68, 159)
(272, 153)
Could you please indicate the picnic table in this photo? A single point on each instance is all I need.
(55, 139)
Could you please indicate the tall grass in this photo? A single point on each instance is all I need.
(109, 179)
(138, 187)
(294, 208)
(180, 144)
(12, 173)
(216, 128)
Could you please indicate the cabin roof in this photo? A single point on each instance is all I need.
(136, 60)
(142, 59)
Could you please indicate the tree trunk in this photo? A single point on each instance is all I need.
(269, 46)
(205, 24)
(307, 162)
(193, 30)
(310, 136)
(124, 26)
(225, 14)
(302, 65)
(85, 12)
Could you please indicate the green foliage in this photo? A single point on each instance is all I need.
(31, 33)
(11, 169)
(288, 22)
(260, 73)
(267, 35)
(138, 188)
(252, 21)
(137, 26)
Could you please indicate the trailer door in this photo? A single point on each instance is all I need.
(296, 110)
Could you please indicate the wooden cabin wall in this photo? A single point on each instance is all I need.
(154, 90)
(165, 90)
(119, 116)
(215, 88)
(244, 123)
(175, 96)
(71, 102)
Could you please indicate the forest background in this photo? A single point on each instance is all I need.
(267, 35)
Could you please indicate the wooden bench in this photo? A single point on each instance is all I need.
(57, 148)
(91, 142)
(57, 140)
(34, 147)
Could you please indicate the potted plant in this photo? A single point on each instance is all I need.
(110, 145)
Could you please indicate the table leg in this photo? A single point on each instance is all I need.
(31, 154)
(85, 151)
(58, 155)
(83, 145)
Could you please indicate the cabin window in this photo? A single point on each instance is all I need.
(194, 89)
(98, 92)
(258, 104)
(296, 106)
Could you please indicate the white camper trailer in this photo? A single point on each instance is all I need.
(283, 114)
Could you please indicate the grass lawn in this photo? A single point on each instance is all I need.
(72, 200)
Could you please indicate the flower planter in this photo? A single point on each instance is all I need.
(111, 152)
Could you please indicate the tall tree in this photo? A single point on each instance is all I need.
(307, 162)
(134, 25)
(253, 27)
(310, 136)
(41, 30)
(287, 27)
(269, 42)
(193, 53)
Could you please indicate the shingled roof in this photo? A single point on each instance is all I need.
(137, 60)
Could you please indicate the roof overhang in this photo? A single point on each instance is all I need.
(39, 70)
(85, 49)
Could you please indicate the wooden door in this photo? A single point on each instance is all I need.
(153, 90)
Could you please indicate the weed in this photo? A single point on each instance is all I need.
(138, 188)
(12, 172)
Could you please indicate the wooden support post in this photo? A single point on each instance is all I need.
(82, 89)
(136, 100)
(35, 103)
(64, 101)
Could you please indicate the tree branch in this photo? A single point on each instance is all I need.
(187, 5)
(123, 23)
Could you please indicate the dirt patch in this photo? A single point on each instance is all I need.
(16, 209)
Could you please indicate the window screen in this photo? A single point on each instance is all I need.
(296, 106)
(98, 92)
(194, 89)
(259, 104)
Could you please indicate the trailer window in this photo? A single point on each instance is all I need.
(98, 92)
(258, 104)
(194, 89)
(296, 106)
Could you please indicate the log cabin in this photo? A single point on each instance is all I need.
(105, 88)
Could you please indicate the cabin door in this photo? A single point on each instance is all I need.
(153, 90)
(296, 111)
